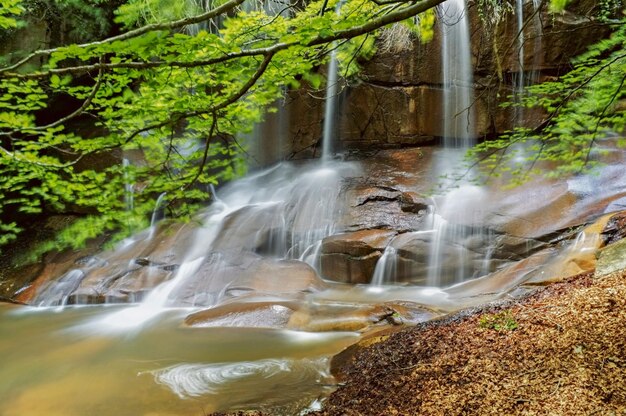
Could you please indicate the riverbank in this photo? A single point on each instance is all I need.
(559, 351)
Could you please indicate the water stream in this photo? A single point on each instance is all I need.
(266, 339)
(527, 30)
(230, 312)
(459, 123)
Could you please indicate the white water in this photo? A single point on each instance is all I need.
(330, 107)
(453, 225)
(289, 210)
(129, 187)
(330, 110)
(385, 271)
(450, 219)
(458, 80)
(525, 77)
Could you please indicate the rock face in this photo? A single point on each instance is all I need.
(398, 99)
(384, 222)
(352, 257)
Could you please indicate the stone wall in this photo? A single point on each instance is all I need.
(398, 99)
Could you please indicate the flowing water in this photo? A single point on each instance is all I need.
(330, 108)
(458, 84)
(528, 28)
(66, 366)
(141, 360)
(229, 312)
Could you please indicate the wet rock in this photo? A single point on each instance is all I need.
(320, 318)
(250, 228)
(225, 276)
(385, 198)
(359, 243)
(57, 292)
(415, 256)
(615, 229)
(400, 99)
(380, 116)
(344, 268)
(352, 257)
(611, 258)
(413, 203)
(244, 314)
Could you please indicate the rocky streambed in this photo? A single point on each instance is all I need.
(295, 265)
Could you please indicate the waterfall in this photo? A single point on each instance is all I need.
(456, 226)
(283, 212)
(129, 187)
(386, 267)
(331, 107)
(157, 215)
(524, 77)
(458, 96)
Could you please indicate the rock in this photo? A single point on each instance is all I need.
(325, 317)
(379, 116)
(246, 314)
(413, 203)
(399, 100)
(414, 258)
(385, 196)
(358, 243)
(228, 275)
(250, 228)
(611, 258)
(352, 257)
(615, 229)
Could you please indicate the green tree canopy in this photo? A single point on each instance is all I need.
(174, 88)
(180, 81)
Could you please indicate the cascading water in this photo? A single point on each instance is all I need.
(276, 216)
(158, 213)
(129, 187)
(451, 218)
(331, 107)
(385, 271)
(440, 230)
(458, 83)
(525, 77)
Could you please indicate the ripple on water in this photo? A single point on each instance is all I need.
(250, 384)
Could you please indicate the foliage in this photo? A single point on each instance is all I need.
(9, 10)
(501, 321)
(171, 93)
(583, 107)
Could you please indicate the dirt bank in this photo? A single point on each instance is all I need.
(561, 351)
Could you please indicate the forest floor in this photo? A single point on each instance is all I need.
(559, 351)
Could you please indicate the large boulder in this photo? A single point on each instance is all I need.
(223, 276)
(352, 257)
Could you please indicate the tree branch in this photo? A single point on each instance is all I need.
(224, 8)
(205, 155)
(393, 17)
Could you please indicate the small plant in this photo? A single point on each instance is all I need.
(502, 321)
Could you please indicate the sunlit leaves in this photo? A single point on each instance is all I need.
(9, 10)
(173, 100)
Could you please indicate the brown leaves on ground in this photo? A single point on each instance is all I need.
(565, 356)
